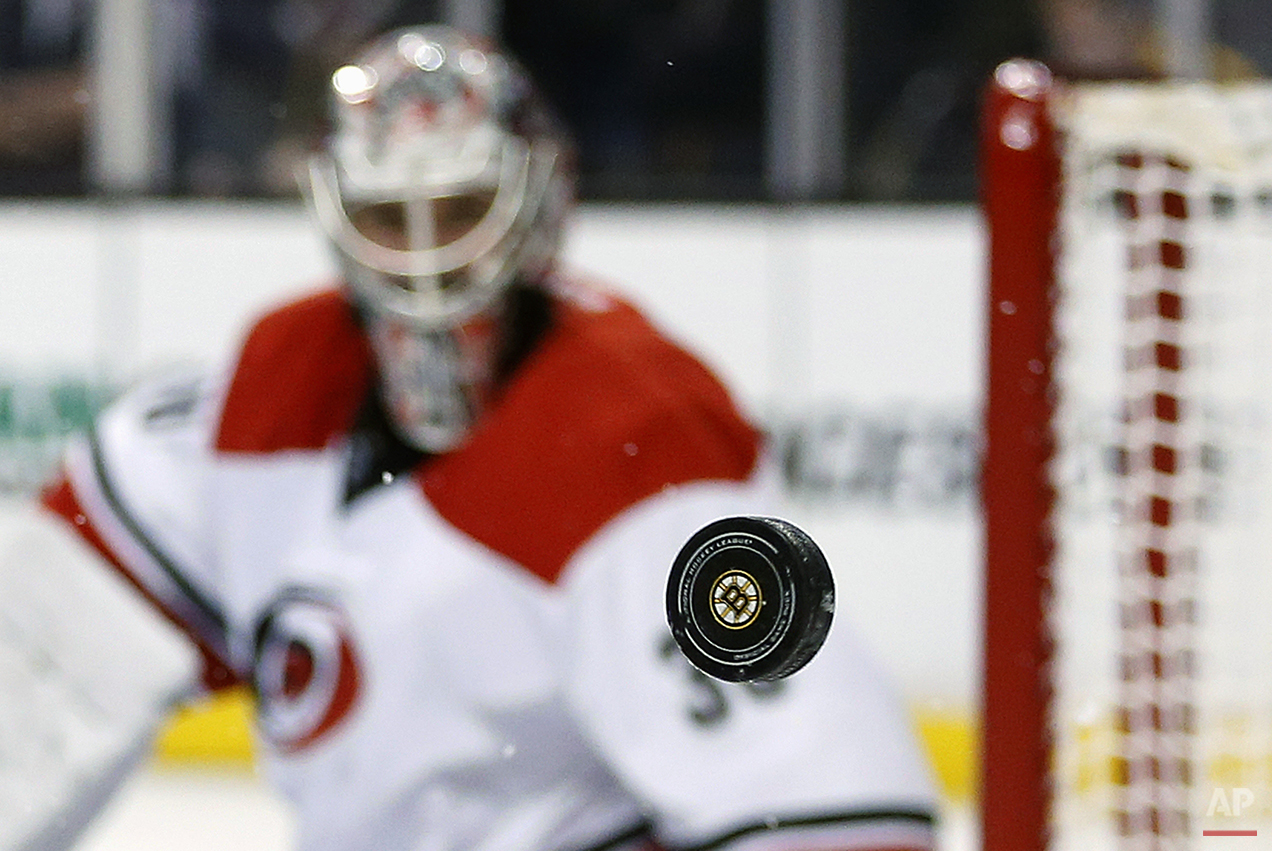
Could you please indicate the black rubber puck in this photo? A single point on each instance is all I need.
(750, 598)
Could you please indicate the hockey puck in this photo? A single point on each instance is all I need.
(750, 598)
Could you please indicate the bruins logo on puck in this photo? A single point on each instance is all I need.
(736, 600)
(750, 598)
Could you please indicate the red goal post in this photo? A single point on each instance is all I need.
(1019, 184)
(1127, 467)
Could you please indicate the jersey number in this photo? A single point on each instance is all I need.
(708, 701)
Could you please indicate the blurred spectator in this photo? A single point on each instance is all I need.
(43, 96)
(1246, 26)
(240, 78)
(250, 111)
(1096, 39)
(666, 98)
(1122, 39)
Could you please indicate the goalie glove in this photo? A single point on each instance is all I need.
(88, 672)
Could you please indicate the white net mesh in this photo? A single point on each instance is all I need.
(1162, 717)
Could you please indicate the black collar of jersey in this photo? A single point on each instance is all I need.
(377, 455)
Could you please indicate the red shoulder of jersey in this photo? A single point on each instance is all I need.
(605, 413)
(302, 374)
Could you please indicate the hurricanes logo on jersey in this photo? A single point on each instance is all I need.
(735, 599)
(306, 673)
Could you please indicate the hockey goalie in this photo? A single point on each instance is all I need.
(427, 515)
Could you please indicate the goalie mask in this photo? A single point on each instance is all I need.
(445, 181)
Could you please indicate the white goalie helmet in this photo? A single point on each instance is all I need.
(445, 181)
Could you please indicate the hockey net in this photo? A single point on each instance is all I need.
(1127, 476)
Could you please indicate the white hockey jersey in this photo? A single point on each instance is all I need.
(470, 651)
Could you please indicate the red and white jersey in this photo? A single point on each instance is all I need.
(472, 652)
